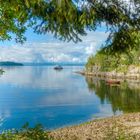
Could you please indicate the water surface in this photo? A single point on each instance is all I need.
(59, 98)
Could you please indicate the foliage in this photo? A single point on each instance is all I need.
(69, 19)
(90, 63)
(109, 58)
(125, 40)
(26, 133)
(1, 71)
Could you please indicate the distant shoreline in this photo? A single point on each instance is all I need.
(52, 64)
(8, 63)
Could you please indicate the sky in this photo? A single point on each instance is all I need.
(46, 48)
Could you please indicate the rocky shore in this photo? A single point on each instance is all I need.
(123, 127)
(133, 73)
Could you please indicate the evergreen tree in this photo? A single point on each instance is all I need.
(69, 19)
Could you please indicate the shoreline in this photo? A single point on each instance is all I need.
(111, 75)
(125, 125)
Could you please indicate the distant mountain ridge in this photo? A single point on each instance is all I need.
(52, 64)
(9, 63)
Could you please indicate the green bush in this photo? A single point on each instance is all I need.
(26, 133)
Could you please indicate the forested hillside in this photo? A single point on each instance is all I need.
(119, 61)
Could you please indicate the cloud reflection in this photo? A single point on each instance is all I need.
(43, 95)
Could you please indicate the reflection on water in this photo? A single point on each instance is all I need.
(125, 97)
(59, 98)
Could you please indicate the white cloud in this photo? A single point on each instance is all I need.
(91, 49)
(54, 51)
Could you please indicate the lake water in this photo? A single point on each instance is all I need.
(59, 98)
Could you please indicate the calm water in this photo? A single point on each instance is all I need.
(59, 98)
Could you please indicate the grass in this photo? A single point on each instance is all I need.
(119, 132)
(26, 133)
(115, 132)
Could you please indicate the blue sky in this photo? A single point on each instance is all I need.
(46, 48)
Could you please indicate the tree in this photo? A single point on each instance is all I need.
(69, 19)
(110, 59)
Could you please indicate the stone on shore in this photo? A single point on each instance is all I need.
(125, 126)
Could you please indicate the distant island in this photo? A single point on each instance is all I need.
(52, 64)
(8, 63)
